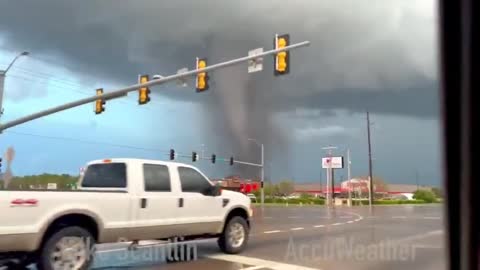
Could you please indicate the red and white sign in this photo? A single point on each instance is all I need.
(332, 162)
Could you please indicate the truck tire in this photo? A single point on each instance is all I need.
(67, 248)
(235, 236)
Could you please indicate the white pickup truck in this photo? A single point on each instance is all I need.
(128, 199)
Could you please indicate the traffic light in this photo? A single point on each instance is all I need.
(214, 157)
(282, 59)
(99, 103)
(172, 154)
(231, 161)
(1, 164)
(143, 92)
(201, 82)
(194, 156)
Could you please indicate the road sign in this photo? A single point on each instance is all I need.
(256, 64)
(332, 162)
(52, 186)
(182, 82)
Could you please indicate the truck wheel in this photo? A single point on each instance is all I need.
(234, 237)
(67, 248)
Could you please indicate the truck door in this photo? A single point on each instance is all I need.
(201, 211)
(157, 208)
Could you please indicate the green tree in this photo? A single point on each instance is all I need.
(286, 187)
(306, 196)
(425, 195)
(438, 192)
(41, 181)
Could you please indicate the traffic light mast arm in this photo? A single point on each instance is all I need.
(247, 163)
(126, 90)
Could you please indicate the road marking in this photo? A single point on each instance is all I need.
(358, 219)
(336, 224)
(345, 216)
(399, 217)
(350, 221)
(254, 261)
(431, 217)
(276, 231)
(294, 217)
(415, 237)
(296, 229)
(319, 226)
(267, 217)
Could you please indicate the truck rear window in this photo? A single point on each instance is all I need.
(108, 175)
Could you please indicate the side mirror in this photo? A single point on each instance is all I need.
(216, 190)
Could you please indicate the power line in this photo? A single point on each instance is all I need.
(166, 152)
(40, 81)
(88, 142)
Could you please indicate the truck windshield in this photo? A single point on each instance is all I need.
(108, 175)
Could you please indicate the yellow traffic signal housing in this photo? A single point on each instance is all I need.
(282, 59)
(143, 92)
(201, 82)
(99, 103)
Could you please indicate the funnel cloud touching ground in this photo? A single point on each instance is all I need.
(380, 56)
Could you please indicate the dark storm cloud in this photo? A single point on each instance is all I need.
(379, 56)
(381, 46)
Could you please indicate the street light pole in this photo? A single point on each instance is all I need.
(3, 74)
(262, 173)
(371, 192)
(262, 193)
(349, 162)
(203, 151)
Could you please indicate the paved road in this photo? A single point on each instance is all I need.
(390, 237)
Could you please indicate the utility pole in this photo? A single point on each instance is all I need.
(370, 176)
(3, 74)
(330, 184)
(349, 175)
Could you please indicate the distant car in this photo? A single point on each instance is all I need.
(293, 196)
(252, 197)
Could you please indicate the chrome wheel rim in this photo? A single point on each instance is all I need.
(69, 253)
(236, 235)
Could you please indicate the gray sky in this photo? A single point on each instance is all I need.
(380, 57)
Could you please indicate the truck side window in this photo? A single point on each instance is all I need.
(157, 177)
(105, 175)
(192, 181)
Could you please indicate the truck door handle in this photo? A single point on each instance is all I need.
(180, 202)
(143, 203)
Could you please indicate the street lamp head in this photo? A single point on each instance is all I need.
(25, 53)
